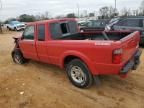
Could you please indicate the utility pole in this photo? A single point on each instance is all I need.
(78, 10)
(115, 6)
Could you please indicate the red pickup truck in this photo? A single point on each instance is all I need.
(83, 55)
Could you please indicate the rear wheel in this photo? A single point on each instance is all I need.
(18, 57)
(79, 74)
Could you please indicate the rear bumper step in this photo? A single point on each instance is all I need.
(132, 64)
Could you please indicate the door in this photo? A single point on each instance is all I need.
(41, 43)
(27, 43)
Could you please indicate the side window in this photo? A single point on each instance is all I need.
(59, 30)
(133, 22)
(11, 23)
(41, 32)
(73, 27)
(97, 23)
(55, 30)
(90, 24)
(122, 23)
(29, 33)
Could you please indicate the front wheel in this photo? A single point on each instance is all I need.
(79, 74)
(18, 57)
(8, 28)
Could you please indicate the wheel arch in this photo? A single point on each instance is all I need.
(70, 55)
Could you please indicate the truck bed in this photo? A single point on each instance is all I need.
(96, 36)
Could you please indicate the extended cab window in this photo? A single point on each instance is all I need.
(41, 32)
(73, 27)
(29, 33)
(55, 30)
(59, 30)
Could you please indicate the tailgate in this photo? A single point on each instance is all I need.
(130, 44)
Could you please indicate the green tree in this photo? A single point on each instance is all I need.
(44, 16)
(71, 15)
(10, 19)
(91, 14)
(27, 18)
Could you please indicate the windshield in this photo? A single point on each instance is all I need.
(15, 22)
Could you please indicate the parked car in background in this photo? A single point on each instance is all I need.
(2, 25)
(82, 24)
(129, 23)
(84, 56)
(16, 25)
(94, 25)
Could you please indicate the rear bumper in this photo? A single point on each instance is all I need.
(132, 64)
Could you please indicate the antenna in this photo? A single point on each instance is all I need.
(115, 10)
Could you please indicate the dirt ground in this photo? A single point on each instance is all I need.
(38, 85)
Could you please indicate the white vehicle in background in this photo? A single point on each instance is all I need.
(16, 25)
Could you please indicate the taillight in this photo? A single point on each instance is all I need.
(117, 56)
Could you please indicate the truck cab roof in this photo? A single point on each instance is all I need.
(53, 20)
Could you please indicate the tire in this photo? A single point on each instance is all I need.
(18, 58)
(79, 74)
(15, 29)
(8, 28)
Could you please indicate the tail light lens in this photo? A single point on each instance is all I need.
(117, 56)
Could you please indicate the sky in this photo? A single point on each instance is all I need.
(14, 8)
